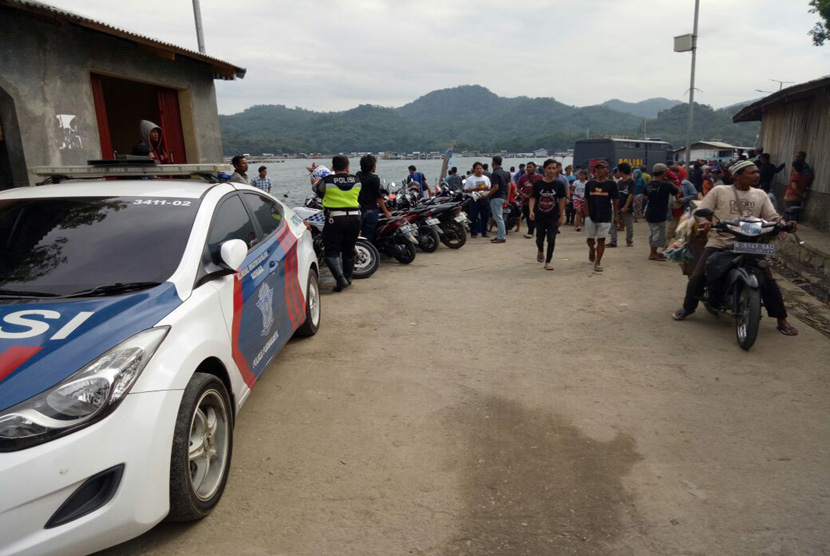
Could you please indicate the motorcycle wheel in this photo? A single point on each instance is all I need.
(367, 259)
(428, 239)
(405, 252)
(455, 236)
(748, 319)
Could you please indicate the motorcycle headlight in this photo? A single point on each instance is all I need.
(751, 228)
(81, 399)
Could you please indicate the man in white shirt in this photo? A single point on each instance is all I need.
(475, 185)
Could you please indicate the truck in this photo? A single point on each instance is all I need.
(636, 152)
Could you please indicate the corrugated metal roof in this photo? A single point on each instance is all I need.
(221, 69)
(755, 111)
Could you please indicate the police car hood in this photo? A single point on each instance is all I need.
(43, 343)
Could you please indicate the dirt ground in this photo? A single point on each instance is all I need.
(472, 403)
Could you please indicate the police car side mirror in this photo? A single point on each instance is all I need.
(232, 253)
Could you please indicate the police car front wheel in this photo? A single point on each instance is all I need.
(202, 448)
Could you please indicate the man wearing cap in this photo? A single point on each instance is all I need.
(659, 190)
(728, 202)
(601, 196)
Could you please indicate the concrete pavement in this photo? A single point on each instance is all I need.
(473, 403)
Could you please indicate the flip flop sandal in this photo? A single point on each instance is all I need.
(788, 330)
(578, 229)
(540, 257)
(597, 268)
(681, 314)
(658, 258)
(548, 266)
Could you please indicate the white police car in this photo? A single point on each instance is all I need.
(135, 316)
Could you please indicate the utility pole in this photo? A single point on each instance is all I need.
(200, 37)
(692, 91)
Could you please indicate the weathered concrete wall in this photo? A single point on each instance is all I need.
(802, 125)
(45, 67)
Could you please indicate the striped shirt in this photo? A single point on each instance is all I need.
(262, 183)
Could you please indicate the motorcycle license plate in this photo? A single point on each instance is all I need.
(461, 218)
(754, 248)
(433, 221)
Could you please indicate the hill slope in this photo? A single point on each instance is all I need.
(471, 115)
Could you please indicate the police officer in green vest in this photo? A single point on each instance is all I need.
(342, 209)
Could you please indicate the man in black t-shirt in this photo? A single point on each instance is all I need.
(658, 192)
(370, 197)
(601, 196)
(547, 209)
(626, 203)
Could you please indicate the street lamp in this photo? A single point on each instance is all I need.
(686, 43)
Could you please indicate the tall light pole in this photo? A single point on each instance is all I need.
(200, 37)
(686, 43)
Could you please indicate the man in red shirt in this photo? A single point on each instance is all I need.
(525, 190)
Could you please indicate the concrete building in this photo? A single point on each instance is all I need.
(74, 89)
(710, 150)
(798, 119)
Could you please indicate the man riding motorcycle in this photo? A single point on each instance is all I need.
(736, 201)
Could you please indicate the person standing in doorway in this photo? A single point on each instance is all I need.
(476, 186)
(152, 143)
(547, 210)
(601, 196)
(370, 198)
(499, 188)
(240, 170)
(262, 181)
(340, 192)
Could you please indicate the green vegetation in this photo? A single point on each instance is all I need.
(474, 117)
(821, 31)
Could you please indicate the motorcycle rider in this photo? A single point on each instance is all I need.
(723, 200)
(340, 192)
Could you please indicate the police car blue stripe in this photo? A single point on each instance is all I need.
(113, 320)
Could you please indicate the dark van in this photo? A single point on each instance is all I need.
(637, 152)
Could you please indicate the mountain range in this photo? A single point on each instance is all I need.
(476, 119)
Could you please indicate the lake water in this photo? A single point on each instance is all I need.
(293, 185)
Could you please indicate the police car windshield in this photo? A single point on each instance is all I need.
(63, 246)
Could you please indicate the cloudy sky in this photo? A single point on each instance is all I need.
(336, 54)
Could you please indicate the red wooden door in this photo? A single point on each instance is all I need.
(107, 152)
(171, 123)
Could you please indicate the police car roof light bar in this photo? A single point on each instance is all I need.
(56, 174)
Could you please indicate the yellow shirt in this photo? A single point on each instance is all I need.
(721, 199)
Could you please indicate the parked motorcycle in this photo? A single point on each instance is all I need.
(734, 276)
(443, 214)
(367, 258)
(397, 237)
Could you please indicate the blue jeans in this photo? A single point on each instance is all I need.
(497, 208)
(369, 223)
(479, 214)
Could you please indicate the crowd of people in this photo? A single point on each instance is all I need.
(604, 201)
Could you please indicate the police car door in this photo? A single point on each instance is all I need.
(280, 299)
(251, 320)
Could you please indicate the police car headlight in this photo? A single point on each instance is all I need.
(83, 398)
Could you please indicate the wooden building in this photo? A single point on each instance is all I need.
(798, 119)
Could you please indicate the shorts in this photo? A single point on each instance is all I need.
(596, 230)
(579, 204)
(657, 234)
